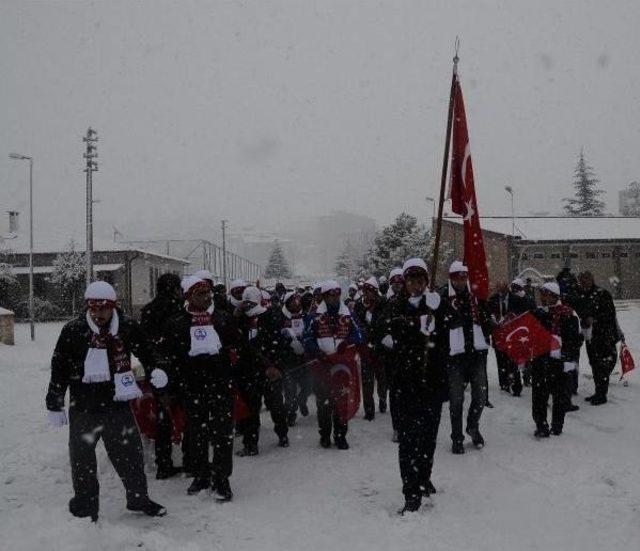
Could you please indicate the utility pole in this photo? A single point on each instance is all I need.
(224, 253)
(92, 166)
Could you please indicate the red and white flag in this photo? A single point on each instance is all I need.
(462, 192)
(626, 361)
(524, 338)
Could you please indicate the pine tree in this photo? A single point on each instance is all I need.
(349, 263)
(277, 268)
(401, 240)
(586, 202)
(69, 273)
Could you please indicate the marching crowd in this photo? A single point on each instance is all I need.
(208, 348)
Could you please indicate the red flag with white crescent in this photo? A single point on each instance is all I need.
(626, 361)
(462, 192)
(524, 338)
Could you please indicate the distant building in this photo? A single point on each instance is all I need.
(132, 271)
(630, 200)
(607, 246)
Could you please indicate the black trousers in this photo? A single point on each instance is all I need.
(209, 408)
(602, 360)
(328, 418)
(393, 393)
(254, 392)
(548, 379)
(418, 425)
(118, 430)
(472, 367)
(372, 372)
(297, 388)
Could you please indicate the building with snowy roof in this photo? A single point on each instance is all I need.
(537, 247)
(133, 271)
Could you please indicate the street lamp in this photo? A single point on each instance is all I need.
(433, 201)
(18, 157)
(509, 190)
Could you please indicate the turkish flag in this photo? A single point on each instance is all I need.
(524, 338)
(626, 361)
(341, 373)
(240, 408)
(145, 411)
(462, 192)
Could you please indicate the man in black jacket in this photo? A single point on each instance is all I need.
(468, 323)
(153, 317)
(368, 311)
(600, 326)
(260, 370)
(549, 371)
(92, 358)
(412, 333)
(200, 346)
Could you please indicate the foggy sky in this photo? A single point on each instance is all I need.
(264, 111)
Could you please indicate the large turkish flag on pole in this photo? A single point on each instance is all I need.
(462, 192)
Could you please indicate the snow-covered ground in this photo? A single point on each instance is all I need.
(579, 491)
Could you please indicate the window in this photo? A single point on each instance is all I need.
(574, 255)
(590, 255)
(554, 255)
(623, 254)
(538, 255)
(606, 255)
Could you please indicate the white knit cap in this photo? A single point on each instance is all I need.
(237, 283)
(252, 294)
(414, 263)
(353, 286)
(188, 282)
(100, 290)
(372, 282)
(458, 267)
(383, 279)
(205, 274)
(551, 287)
(329, 285)
(288, 295)
(396, 272)
(266, 295)
(518, 282)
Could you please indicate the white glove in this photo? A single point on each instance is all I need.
(159, 378)
(57, 418)
(557, 353)
(570, 366)
(433, 300)
(586, 333)
(297, 347)
(387, 342)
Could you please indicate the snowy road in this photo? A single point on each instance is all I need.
(580, 491)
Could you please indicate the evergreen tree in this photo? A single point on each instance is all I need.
(277, 268)
(401, 240)
(586, 202)
(69, 273)
(349, 263)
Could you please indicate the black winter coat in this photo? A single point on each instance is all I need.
(67, 366)
(597, 303)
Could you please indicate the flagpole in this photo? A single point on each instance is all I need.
(445, 166)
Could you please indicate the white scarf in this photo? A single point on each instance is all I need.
(204, 338)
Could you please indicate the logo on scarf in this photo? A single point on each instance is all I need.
(127, 380)
(200, 334)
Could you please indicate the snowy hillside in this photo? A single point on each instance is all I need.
(579, 491)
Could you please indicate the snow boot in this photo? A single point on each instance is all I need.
(148, 507)
(369, 416)
(341, 443)
(542, 432)
(291, 420)
(222, 490)
(248, 451)
(556, 431)
(573, 407)
(283, 442)
(457, 448)
(598, 400)
(488, 404)
(427, 489)
(84, 507)
(411, 505)
(198, 485)
(382, 406)
(325, 441)
(476, 438)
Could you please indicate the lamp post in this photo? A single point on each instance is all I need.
(509, 190)
(17, 156)
(433, 202)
